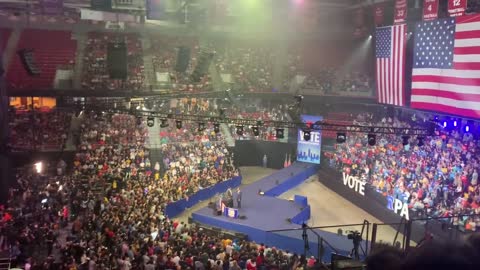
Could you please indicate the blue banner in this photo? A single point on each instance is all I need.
(156, 9)
(309, 150)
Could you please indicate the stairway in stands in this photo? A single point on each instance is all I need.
(81, 38)
(150, 78)
(154, 144)
(227, 135)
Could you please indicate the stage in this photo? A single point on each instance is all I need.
(264, 213)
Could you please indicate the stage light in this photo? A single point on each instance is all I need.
(38, 167)
(298, 98)
(405, 140)
(420, 141)
(163, 122)
(178, 124)
(307, 135)
(255, 130)
(341, 137)
(372, 139)
(467, 128)
(201, 126)
(445, 124)
(150, 121)
(240, 130)
(216, 127)
(279, 133)
(369, 36)
(455, 123)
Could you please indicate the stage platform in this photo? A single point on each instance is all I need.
(265, 213)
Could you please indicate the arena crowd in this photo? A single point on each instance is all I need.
(437, 178)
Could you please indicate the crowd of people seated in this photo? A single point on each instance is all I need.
(41, 130)
(261, 113)
(437, 177)
(107, 211)
(95, 74)
(164, 53)
(251, 67)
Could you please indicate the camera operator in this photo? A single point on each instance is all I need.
(356, 238)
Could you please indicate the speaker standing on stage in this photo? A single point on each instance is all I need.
(239, 198)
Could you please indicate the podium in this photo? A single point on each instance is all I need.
(229, 211)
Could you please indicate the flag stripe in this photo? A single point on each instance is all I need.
(471, 105)
(454, 87)
(447, 80)
(446, 94)
(467, 66)
(464, 89)
(466, 50)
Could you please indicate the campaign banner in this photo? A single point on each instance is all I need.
(456, 7)
(309, 150)
(52, 6)
(379, 13)
(400, 15)
(156, 9)
(430, 10)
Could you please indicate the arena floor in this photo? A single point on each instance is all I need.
(328, 208)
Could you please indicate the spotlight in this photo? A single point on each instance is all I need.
(38, 167)
(405, 140)
(467, 128)
(455, 123)
(240, 130)
(201, 126)
(372, 139)
(307, 135)
(420, 141)
(369, 36)
(298, 98)
(150, 121)
(178, 124)
(341, 137)
(216, 127)
(279, 133)
(444, 124)
(255, 130)
(164, 122)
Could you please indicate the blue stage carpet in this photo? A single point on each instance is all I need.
(267, 213)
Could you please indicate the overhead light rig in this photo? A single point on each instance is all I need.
(320, 125)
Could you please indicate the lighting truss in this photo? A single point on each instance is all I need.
(288, 124)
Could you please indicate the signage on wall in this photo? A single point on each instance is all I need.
(430, 10)
(399, 207)
(457, 7)
(354, 183)
(400, 11)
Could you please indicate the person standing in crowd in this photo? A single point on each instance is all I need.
(238, 196)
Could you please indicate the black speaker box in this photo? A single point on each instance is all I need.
(117, 65)
(183, 59)
(28, 61)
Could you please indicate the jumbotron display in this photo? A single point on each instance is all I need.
(309, 141)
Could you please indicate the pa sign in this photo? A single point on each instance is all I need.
(398, 207)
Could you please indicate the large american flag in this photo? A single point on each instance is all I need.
(390, 64)
(446, 67)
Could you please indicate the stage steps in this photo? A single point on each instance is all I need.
(5, 263)
(148, 69)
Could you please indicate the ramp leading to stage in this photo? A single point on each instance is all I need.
(265, 213)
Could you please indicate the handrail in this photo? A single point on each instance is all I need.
(318, 227)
